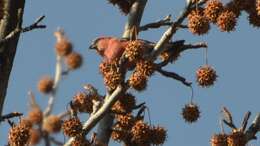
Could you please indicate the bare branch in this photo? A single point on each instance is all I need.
(18, 30)
(228, 120)
(245, 120)
(58, 74)
(160, 46)
(10, 115)
(174, 76)
(166, 21)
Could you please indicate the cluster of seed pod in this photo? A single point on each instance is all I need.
(135, 131)
(235, 138)
(73, 60)
(224, 16)
(144, 68)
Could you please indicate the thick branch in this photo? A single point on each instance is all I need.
(11, 20)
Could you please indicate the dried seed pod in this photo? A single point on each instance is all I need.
(63, 47)
(35, 137)
(125, 121)
(83, 102)
(80, 141)
(74, 60)
(52, 124)
(106, 67)
(112, 79)
(190, 113)
(19, 135)
(72, 127)
(158, 135)
(119, 133)
(26, 122)
(236, 138)
(125, 104)
(206, 76)
(134, 50)
(219, 140)
(227, 21)
(213, 9)
(45, 85)
(197, 23)
(35, 115)
(138, 81)
(141, 132)
(145, 67)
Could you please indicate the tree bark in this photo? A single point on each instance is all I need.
(12, 19)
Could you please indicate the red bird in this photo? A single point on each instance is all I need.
(111, 48)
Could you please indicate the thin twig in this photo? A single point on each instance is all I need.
(10, 115)
(228, 120)
(245, 121)
(58, 74)
(17, 31)
(174, 76)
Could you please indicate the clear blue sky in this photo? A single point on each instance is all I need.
(233, 55)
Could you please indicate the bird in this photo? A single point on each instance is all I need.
(111, 48)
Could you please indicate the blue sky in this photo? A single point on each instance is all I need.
(233, 55)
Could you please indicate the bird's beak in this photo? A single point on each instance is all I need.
(93, 46)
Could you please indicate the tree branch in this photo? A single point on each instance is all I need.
(174, 76)
(11, 20)
(17, 31)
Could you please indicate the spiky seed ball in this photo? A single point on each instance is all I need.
(26, 122)
(258, 7)
(141, 132)
(206, 76)
(72, 127)
(18, 135)
(45, 85)
(236, 138)
(125, 121)
(74, 60)
(35, 115)
(138, 81)
(125, 103)
(112, 79)
(145, 67)
(198, 24)
(52, 124)
(227, 21)
(80, 141)
(106, 67)
(213, 9)
(190, 113)
(158, 135)
(219, 140)
(119, 133)
(232, 6)
(63, 47)
(83, 103)
(254, 19)
(35, 137)
(134, 50)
